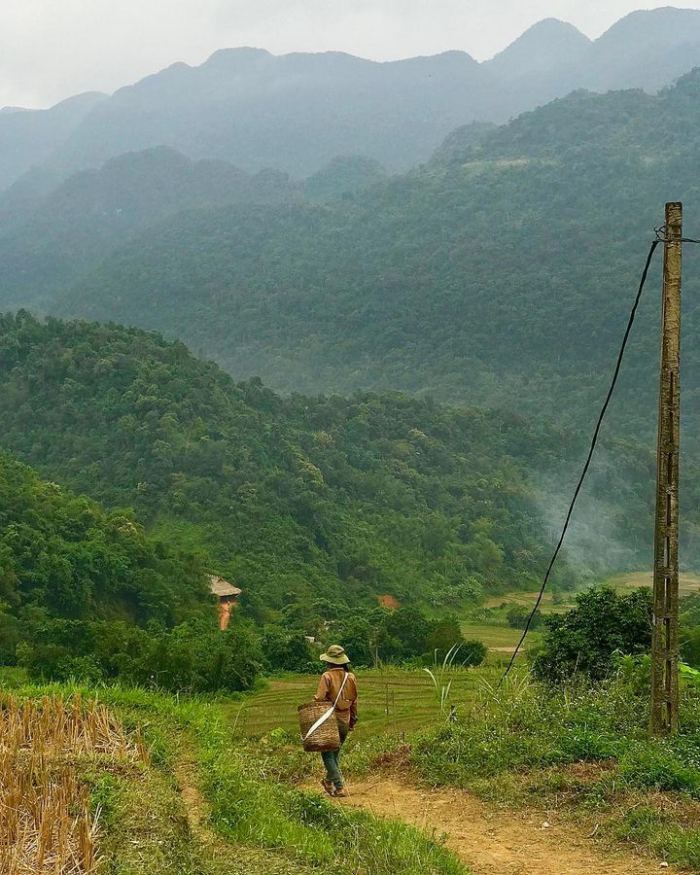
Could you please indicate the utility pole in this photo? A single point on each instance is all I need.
(664, 648)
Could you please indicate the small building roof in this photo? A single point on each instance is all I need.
(221, 588)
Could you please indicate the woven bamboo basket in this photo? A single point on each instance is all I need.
(327, 736)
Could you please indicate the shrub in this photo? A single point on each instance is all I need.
(472, 653)
(443, 635)
(586, 639)
(194, 656)
(517, 618)
(285, 652)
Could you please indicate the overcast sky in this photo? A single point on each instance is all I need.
(51, 49)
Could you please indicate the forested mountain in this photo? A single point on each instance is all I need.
(46, 239)
(87, 593)
(320, 497)
(501, 274)
(344, 177)
(298, 112)
(49, 239)
(29, 137)
(62, 556)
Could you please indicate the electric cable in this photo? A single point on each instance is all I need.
(594, 441)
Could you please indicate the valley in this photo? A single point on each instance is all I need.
(301, 354)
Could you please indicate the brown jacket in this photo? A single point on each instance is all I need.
(328, 689)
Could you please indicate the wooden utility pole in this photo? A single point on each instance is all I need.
(664, 650)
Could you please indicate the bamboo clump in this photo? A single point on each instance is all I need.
(47, 826)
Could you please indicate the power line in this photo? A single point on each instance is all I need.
(594, 441)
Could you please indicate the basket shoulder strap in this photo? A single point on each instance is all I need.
(340, 691)
(322, 719)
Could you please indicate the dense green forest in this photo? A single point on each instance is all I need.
(315, 506)
(62, 554)
(323, 497)
(47, 237)
(87, 593)
(501, 274)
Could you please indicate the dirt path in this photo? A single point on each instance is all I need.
(492, 841)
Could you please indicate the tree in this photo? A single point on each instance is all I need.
(409, 628)
(286, 652)
(444, 634)
(518, 617)
(583, 640)
(472, 653)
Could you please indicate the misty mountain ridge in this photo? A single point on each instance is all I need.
(544, 47)
(30, 137)
(402, 283)
(46, 239)
(297, 112)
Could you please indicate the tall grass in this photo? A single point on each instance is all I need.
(521, 739)
(46, 821)
(443, 675)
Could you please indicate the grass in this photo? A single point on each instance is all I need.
(688, 584)
(526, 599)
(218, 793)
(145, 830)
(394, 700)
(206, 804)
(585, 750)
(500, 638)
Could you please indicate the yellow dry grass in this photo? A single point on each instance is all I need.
(688, 584)
(46, 823)
(526, 599)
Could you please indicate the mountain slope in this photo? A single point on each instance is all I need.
(65, 557)
(327, 497)
(297, 112)
(544, 48)
(294, 112)
(48, 239)
(29, 137)
(646, 49)
(502, 277)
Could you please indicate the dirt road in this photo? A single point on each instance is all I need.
(494, 841)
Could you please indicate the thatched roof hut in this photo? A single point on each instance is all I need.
(222, 589)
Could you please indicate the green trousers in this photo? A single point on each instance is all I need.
(331, 759)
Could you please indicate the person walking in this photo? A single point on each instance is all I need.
(337, 684)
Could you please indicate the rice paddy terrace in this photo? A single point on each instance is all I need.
(391, 700)
(405, 700)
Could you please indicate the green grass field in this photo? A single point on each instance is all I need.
(689, 585)
(391, 700)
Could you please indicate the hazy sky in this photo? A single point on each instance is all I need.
(51, 49)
